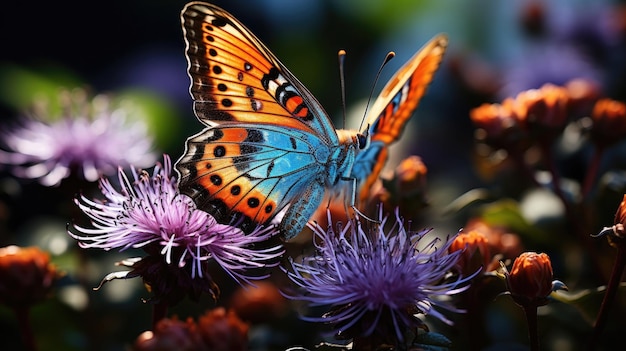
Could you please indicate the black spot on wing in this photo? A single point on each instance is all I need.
(206, 110)
(235, 190)
(220, 21)
(219, 151)
(253, 202)
(216, 179)
(269, 76)
(249, 91)
(254, 136)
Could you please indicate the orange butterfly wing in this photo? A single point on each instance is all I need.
(393, 108)
(236, 78)
(401, 95)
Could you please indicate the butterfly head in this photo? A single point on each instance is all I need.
(353, 140)
(363, 139)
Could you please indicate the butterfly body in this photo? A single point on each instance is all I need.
(268, 147)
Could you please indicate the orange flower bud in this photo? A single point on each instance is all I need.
(216, 330)
(545, 108)
(410, 175)
(499, 125)
(583, 94)
(609, 122)
(404, 189)
(260, 303)
(530, 279)
(169, 335)
(501, 243)
(222, 331)
(26, 275)
(477, 254)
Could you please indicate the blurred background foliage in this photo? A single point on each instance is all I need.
(134, 49)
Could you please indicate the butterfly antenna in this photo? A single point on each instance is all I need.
(342, 80)
(388, 58)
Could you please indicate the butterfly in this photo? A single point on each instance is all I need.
(268, 148)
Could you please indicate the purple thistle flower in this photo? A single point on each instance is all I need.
(180, 239)
(90, 139)
(377, 282)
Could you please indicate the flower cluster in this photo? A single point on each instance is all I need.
(91, 138)
(180, 240)
(535, 115)
(377, 282)
(527, 126)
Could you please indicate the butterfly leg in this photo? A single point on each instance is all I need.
(301, 211)
(353, 187)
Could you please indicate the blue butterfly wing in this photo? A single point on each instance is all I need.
(240, 91)
(249, 173)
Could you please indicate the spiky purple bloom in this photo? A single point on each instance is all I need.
(91, 138)
(377, 282)
(151, 214)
